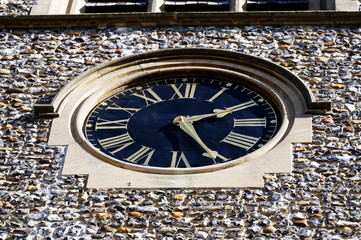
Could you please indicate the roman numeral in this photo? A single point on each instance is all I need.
(176, 160)
(143, 152)
(154, 98)
(114, 106)
(119, 142)
(250, 122)
(240, 140)
(109, 124)
(217, 94)
(188, 90)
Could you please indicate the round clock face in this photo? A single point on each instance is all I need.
(182, 123)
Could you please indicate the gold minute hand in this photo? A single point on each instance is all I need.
(188, 128)
(217, 112)
(221, 112)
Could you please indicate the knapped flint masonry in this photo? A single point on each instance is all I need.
(40, 55)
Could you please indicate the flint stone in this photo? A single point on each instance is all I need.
(342, 223)
(317, 222)
(71, 216)
(306, 232)
(298, 216)
(75, 230)
(4, 71)
(107, 228)
(119, 215)
(167, 229)
(90, 231)
(34, 90)
(350, 107)
(275, 197)
(202, 235)
(222, 196)
(254, 228)
(59, 232)
(15, 90)
(54, 218)
(35, 216)
(3, 236)
(313, 209)
(137, 222)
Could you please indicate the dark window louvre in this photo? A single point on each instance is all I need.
(277, 5)
(195, 6)
(101, 6)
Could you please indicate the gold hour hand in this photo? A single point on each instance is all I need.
(188, 128)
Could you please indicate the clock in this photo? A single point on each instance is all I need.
(181, 123)
(181, 118)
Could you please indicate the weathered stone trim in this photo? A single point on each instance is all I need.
(181, 19)
(48, 7)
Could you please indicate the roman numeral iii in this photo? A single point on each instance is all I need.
(240, 140)
(250, 122)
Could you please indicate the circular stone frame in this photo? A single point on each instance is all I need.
(74, 102)
(180, 71)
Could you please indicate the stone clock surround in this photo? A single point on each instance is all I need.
(73, 103)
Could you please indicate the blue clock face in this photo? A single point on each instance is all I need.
(182, 123)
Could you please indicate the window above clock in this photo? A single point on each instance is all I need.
(46, 7)
(105, 6)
